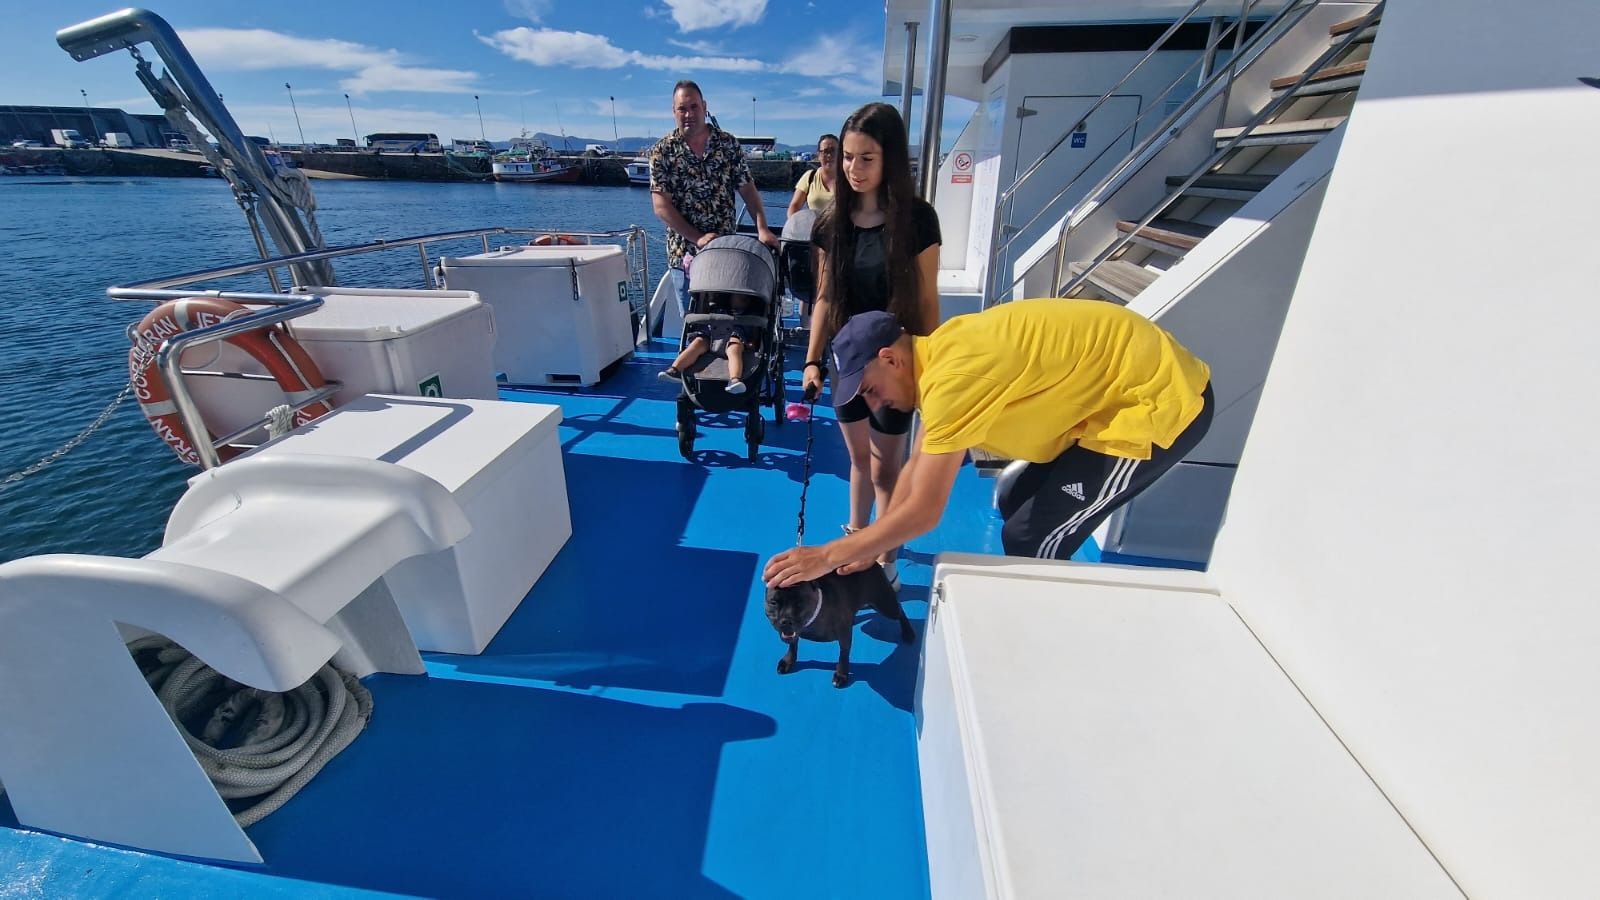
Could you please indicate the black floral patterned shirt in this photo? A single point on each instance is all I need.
(701, 187)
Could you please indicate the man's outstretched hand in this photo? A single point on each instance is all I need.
(794, 566)
(806, 564)
(767, 237)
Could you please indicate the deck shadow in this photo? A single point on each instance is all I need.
(624, 604)
(467, 789)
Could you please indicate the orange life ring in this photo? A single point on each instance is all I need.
(282, 356)
(565, 240)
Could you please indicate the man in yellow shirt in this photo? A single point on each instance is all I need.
(1097, 400)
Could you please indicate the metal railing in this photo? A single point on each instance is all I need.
(1136, 161)
(285, 307)
(1246, 51)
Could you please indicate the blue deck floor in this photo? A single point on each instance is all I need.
(625, 735)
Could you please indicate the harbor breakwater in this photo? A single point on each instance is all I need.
(769, 174)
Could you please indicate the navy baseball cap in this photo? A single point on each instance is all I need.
(857, 344)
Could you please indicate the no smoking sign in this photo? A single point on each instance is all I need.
(961, 168)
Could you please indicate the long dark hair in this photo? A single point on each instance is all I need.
(897, 195)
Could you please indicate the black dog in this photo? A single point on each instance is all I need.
(825, 610)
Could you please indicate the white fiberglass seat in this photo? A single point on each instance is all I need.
(273, 567)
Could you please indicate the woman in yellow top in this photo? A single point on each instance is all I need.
(1097, 400)
(815, 187)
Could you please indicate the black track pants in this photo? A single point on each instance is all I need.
(1052, 508)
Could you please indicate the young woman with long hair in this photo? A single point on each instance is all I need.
(878, 245)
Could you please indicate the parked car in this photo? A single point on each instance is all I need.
(597, 149)
(27, 145)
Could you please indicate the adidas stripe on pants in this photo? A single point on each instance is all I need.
(1051, 508)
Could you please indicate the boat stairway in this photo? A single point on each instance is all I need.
(1314, 102)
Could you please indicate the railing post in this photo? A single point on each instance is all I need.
(933, 95)
(908, 74)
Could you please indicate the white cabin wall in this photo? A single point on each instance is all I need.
(1411, 532)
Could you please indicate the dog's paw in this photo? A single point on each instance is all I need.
(840, 679)
(785, 666)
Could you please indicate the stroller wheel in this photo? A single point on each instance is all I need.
(686, 443)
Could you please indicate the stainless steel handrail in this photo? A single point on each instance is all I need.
(290, 306)
(253, 266)
(170, 352)
(1286, 97)
(1163, 133)
(1010, 192)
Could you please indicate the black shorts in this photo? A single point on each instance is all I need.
(1052, 508)
(886, 421)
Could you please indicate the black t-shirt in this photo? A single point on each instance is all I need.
(869, 274)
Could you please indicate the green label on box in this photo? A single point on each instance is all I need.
(430, 386)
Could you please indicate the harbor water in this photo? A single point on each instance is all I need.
(63, 354)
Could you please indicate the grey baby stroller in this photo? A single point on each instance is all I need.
(733, 295)
(795, 261)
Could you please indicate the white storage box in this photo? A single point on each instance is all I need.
(501, 461)
(562, 312)
(422, 343)
(1110, 732)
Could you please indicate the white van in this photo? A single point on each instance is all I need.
(598, 149)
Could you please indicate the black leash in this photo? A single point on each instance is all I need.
(805, 471)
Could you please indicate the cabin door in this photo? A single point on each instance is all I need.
(1084, 158)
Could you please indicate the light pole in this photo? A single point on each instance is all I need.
(354, 131)
(481, 132)
(296, 116)
(752, 117)
(614, 138)
(90, 113)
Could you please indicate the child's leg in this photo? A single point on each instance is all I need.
(691, 352)
(735, 358)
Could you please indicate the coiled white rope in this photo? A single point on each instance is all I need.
(254, 743)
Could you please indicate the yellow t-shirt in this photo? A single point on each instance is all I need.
(1026, 379)
(817, 196)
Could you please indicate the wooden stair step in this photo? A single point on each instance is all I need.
(1349, 25)
(1166, 235)
(1222, 187)
(1328, 74)
(987, 464)
(1305, 131)
(1119, 278)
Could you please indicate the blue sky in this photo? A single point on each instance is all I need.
(415, 66)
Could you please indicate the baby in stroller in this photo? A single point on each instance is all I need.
(728, 340)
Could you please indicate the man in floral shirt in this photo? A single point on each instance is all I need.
(694, 173)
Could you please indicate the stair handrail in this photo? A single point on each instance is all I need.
(1287, 96)
(1155, 47)
(1222, 81)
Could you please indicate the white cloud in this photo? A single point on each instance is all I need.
(581, 50)
(373, 79)
(706, 48)
(258, 49)
(532, 10)
(850, 65)
(695, 15)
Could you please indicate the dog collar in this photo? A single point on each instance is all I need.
(815, 612)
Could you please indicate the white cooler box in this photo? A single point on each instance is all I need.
(562, 312)
(421, 343)
(501, 461)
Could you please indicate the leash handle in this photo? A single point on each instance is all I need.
(805, 471)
